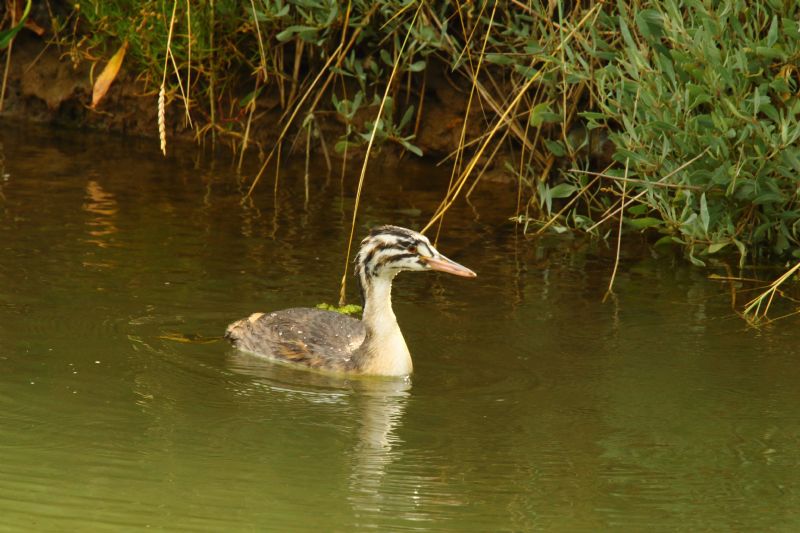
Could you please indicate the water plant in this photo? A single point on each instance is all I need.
(674, 118)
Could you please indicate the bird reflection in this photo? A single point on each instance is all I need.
(381, 404)
(377, 405)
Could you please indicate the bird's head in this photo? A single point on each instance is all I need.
(392, 249)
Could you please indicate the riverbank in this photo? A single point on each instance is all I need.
(677, 121)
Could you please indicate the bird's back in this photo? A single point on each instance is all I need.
(312, 337)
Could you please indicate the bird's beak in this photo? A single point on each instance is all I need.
(443, 264)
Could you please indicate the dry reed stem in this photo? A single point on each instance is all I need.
(340, 51)
(488, 162)
(472, 75)
(6, 70)
(566, 206)
(188, 55)
(610, 289)
(262, 74)
(474, 160)
(610, 213)
(298, 57)
(245, 140)
(463, 135)
(162, 123)
(261, 53)
(366, 155)
(324, 147)
(291, 120)
(212, 104)
(468, 38)
(521, 170)
(656, 184)
(753, 312)
(306, 177)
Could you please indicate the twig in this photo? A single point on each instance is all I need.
(643, 182)
(460, 149)
(684, 165)
(610, 289)
(366, 155)
(753, 312)
(501, 120)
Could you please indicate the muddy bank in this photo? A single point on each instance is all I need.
(51, 84)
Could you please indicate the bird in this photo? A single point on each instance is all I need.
(335, 343)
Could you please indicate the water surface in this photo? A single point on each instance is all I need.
(534, 406)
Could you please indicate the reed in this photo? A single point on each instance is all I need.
(674, 119)
(756, 311)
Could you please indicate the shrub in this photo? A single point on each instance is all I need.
(715, 83)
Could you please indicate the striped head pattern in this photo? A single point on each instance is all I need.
(392, 249)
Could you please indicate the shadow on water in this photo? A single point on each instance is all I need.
(533, 404)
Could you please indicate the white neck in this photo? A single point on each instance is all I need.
(384, 351)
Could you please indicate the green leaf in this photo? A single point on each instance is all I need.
(638, 210)
(644, 222)
(742, 251)
(527, 72)
(304, 32)
(537, 112)
(695, 261)
(499, 59)
(591, 115)
(411, 148)
(533, 48)
(704, 217)
(650, 23)
(789, 155)
(555, 147)
(716, 247)
(562, 190)
(767, 198)
(770, 52)
(407, 116)
(6, 36)
(667, 240)
(772, 34)
(417, 66)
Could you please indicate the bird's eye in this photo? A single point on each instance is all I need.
(412, 248)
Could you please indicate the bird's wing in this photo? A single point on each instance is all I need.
(312, 337)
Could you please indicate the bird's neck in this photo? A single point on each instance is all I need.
(384, 351)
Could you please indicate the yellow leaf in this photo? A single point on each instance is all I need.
(103, 82)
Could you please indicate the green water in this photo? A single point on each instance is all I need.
(534, 406)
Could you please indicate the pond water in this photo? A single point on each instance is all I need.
(534, 405)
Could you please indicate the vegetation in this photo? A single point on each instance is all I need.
(678, 118)
(349, 309)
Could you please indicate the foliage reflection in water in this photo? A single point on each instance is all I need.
(533, 404)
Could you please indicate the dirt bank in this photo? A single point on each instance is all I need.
(51, 84)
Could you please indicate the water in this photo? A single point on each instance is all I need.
(534, 406)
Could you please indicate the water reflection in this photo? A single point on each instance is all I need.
(102, 208)
(376, 407)
(381, 405)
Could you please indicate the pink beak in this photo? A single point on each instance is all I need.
(443, 264)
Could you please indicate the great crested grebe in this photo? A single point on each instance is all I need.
(331, 341)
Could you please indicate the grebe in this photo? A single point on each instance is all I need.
(331, 341)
